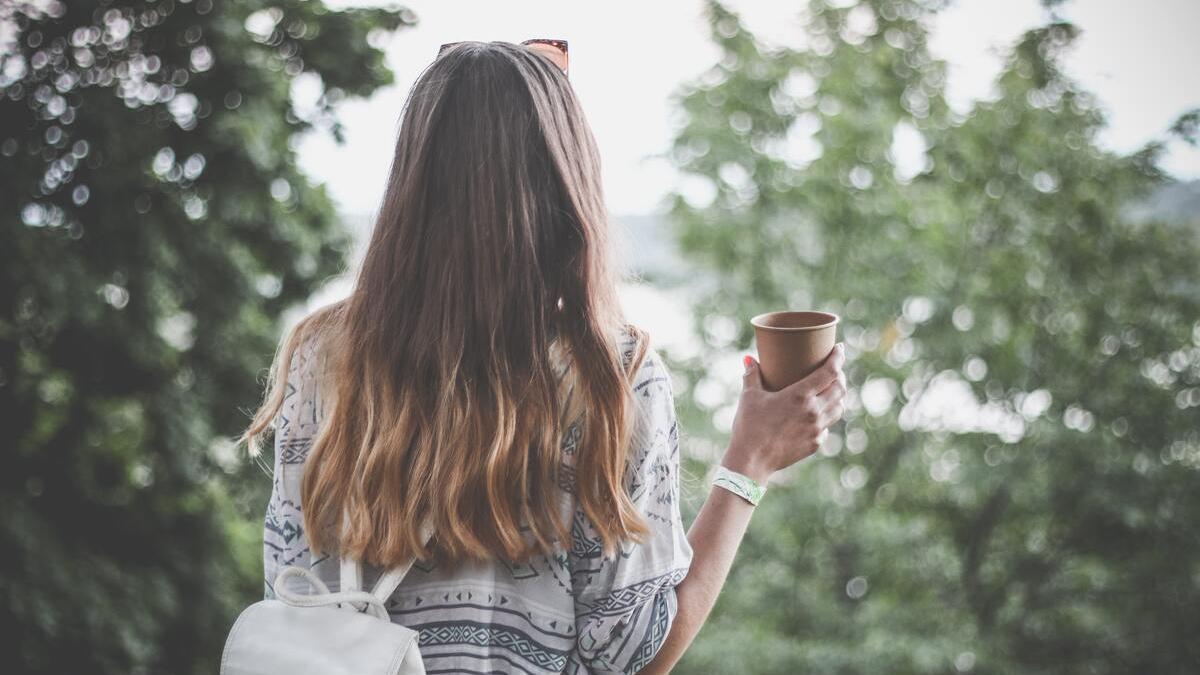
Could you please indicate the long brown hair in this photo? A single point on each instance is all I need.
(483, 322)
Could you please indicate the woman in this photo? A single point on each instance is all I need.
(481, 377)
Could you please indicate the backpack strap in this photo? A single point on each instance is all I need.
(391, 579)
(351, 574)
(323, 597)
(349, 571)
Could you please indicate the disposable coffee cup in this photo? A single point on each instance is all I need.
(791, 344)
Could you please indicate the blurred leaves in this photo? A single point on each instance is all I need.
(1020, 461)
(1187, 127)
(156, 227)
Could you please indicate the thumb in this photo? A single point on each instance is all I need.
(752, 377)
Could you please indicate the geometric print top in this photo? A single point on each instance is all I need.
(570, 612)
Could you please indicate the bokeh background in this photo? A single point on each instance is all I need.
(1000, 199)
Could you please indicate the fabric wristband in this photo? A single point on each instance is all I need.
(740, 485)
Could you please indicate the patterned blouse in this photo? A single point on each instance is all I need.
(570, 612)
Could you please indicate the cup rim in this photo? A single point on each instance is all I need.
(757, 320)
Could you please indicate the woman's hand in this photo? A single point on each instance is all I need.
(773, 430)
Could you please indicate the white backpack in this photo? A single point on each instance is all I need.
(344, 633)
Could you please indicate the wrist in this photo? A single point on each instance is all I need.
(745, 464)
(739, 484)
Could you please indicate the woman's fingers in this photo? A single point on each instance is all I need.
(822, 377)
(819, 411)
(831, 401)
(818, 402)
(813, 444)
(834, 391)
(833, 413)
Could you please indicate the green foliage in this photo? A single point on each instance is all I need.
(155, 228)
(1018, 475)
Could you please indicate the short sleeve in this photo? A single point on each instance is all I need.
(624, 608)
(284, 541)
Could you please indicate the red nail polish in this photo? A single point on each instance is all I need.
(746, 361)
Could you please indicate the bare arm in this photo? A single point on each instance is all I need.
(715, 536)
(772, 430)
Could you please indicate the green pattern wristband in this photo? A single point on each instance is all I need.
(740, 485)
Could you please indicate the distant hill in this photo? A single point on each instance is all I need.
(645, 245)
(1178, 202)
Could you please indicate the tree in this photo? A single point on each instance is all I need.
(155, 228)
(1019, 469)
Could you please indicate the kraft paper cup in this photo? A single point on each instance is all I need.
(791, 344)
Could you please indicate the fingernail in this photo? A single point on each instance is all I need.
(746, 362)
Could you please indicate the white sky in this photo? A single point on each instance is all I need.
(1139, 58)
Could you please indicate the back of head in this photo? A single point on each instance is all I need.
(483, 322)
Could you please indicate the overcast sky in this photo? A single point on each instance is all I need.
(628, 57)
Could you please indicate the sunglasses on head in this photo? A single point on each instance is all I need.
(553, 49)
